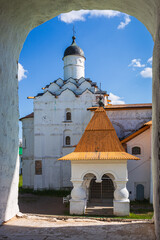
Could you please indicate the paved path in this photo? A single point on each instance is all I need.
(49, 228)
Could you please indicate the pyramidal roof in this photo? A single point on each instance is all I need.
(100, 135)
(99, 141)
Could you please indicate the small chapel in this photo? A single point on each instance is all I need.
(101, 146)
(99, 154)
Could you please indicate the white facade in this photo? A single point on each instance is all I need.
(28, 152)
(128, 121)
(50, 131)
(140, 171)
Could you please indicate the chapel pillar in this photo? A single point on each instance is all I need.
(78, 198)
(121, 202)
(156, 131)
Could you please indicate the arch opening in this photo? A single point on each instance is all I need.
(102, 192)
(131, 8)
(68, 137)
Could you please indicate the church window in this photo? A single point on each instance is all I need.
(68, 140)
(38, 167)
(136, 150)
(68, 116)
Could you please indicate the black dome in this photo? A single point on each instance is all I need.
(73, 49)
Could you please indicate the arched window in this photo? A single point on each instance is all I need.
(68, 140)
(136, 150)
(68, 116)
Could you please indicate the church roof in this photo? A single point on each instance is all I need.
(73, 49)
(99, 141)
(31, 115)
(118, 107)
(148, 123)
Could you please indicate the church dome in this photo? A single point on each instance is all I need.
(73, 49)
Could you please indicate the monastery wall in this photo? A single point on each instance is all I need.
(126, 122)
(28, 152)
(139, 172)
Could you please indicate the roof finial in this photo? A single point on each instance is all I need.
(74, 32)
(100, 102)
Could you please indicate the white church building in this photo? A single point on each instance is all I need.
(60, 116)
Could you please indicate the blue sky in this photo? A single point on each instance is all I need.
(118, 50)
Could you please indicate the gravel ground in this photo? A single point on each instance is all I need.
(49, 228)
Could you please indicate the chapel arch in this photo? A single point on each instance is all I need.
(89, 175)
(87, 178)
(102, 192)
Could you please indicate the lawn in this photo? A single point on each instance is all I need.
(20, 181)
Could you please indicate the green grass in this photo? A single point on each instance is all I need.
(131, 216)
(147, 215)
(144, 202)
(20, 181)
(55, 193)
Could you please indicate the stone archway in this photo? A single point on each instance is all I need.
(17, 19)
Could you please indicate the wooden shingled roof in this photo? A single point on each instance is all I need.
(99, 135)
(99, 141)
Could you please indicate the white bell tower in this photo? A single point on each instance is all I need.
(74, 61)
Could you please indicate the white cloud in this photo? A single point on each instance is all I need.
(104, 13)
(73, 16)
(146, 73)
(150, 60)
(115, 99)
(136, 63)
(21, 72)
(81, 15)
(127, 20)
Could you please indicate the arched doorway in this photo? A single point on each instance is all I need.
(140, 192)
(100, 196)
(19, 21)
(102, 192)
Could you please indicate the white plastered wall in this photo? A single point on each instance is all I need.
(126, 122)
(139, 172)
(50, 130)
(28, 152)
(74, 66)
(117, 168)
